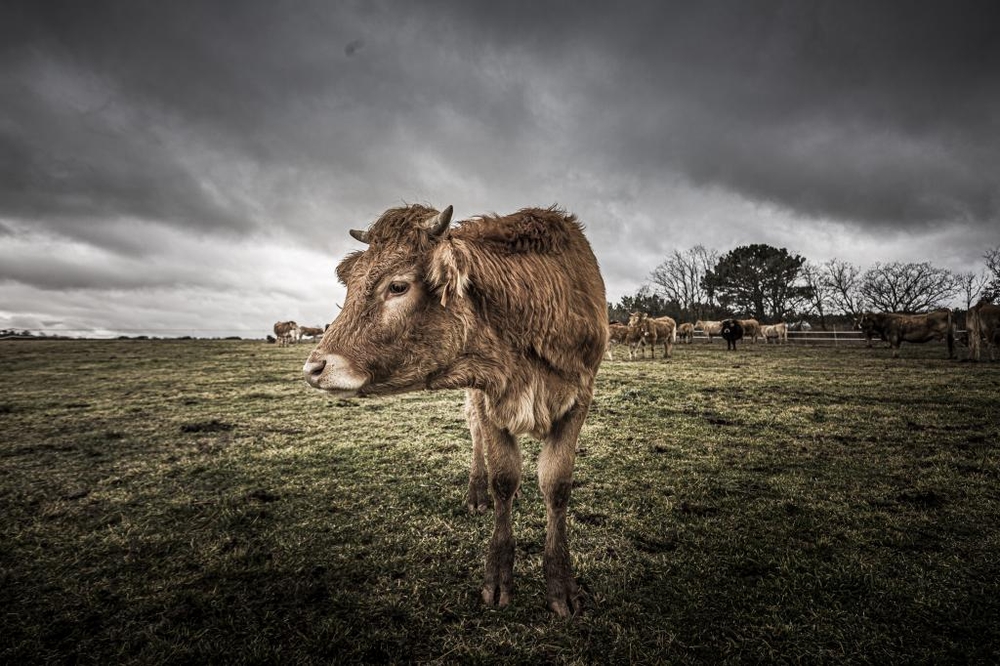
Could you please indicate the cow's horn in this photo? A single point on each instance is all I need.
(437, 224)
(360, 235)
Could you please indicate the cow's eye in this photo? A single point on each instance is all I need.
(398, 288)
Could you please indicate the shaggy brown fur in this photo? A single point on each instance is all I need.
(510, 308)
(686, 332)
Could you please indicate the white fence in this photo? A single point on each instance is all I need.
(817, 337)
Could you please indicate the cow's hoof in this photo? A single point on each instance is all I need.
(496, 595)
(478, 498)
(565, 598)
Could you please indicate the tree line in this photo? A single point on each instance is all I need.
(773, 284)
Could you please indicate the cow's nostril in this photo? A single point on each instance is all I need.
(314, 369)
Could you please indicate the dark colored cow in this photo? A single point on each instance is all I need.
(732, 330)
(873, 324)
(511, 309)
(900, 328)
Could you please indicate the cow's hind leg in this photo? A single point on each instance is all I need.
(555, 478)
(504, 466)
(478, 497)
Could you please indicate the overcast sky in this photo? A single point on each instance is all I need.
(170, 167)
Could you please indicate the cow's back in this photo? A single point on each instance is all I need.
(537, 285)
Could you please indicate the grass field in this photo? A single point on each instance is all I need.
(193, 501)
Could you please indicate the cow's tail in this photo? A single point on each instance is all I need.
(972, 328)
(673, 337)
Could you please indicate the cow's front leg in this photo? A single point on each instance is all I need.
(504, 465)
(478, 497)
(555, 478)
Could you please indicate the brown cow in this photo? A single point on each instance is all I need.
(661, 330)
(777, 332)
(509, 308)
(710, 328)
(650, 330)
(751, 329)
(286, 332)
(900, 328)
(983, 324)
(617, 334)
(312, 331)
(686, 332)
(637, 336)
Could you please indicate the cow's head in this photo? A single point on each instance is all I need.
(395, 330)
(731, 328)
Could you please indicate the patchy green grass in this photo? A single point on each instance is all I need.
(193, 501)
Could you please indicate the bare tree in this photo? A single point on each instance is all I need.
(971, 286)
(813, 276)
(843, 281)
(991, 291)
(908, 287)
(681, 276)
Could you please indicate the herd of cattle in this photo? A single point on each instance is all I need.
(641, 331)
(287, 332)
(982, 328)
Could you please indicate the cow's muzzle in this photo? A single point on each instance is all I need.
(332, 372)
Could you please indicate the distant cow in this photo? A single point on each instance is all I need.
(286, 332)
(637, 336)
(900, 328)
(732, 330)
(751, 329)
(636, 339)
(311, 331)
(871, 325)
(686, 332)
(801, 325)
(617, 333)
(710, 328)
(983, 324)
(513, 310)
(662, 330)
(776, 332)
(653, 331)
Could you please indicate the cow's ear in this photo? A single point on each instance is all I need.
(449, 269)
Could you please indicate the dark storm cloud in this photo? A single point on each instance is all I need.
(308, 117)
(873, 113)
